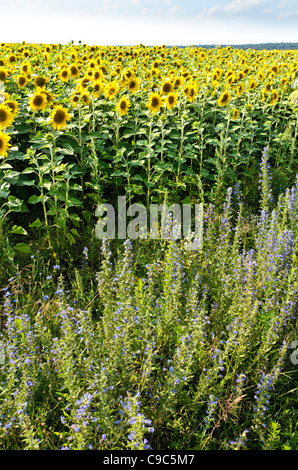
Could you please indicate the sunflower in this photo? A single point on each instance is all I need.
(40, 82)
(240, 76)
(178, 82)
(231, 79)
(12, 59)
(25, 68)
(97, 88)
(224, 98)
(239, 90)
(171, 100)
(191, 91)
(284, 81)
(74, 71)
(6, 116)
(85, 97)
(3, 74)
(133, 85)
(166, 87)
(253, 84)
(123, 105)
(38, 101)
(50, 97)
(64, 75)
(274, 69)
(267, 87)
(274, 97)
(155, 102)
(235, 113)
(59, 117)
(186, 90)
(98, 75)
(111, 89)
(75, 99)
(4, 144)
(21, 81)
(85, 82)
(13, 106)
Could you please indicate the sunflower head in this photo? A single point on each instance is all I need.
(25, 68)
(224, 98)
(192, 92)
(235, 113)
(155, 102)
(3, 74)
(274, 97)
(253, 84)
(133, 85)
(40, 82)
(75, 99)
(59, 117)
(171, 100)
(22, 81)
(166, 87)
(240, 89)
(178, 82)
(74, 71)
(64, 74)
(97, 88)
(4, 144)
(38, 101)
(13, 106)
(123, 106)
(6, 116)
(85, 97)
(111, 89)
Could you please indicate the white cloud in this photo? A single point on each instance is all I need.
(241, 5)
(150, 11)
(234, 8)
(287, 14)
(176, 9)
(139, 2)
(108, 6)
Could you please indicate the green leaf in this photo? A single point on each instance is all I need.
(75, 219)
(70, 238)
(72, 201)
(22, 248)
(34, 199)
(87, 216)
(18, 230)
(75, 232)
(4, 189)
(12, 177)
(14, 204)
(36, 224)
(66, 150)
(137, 178)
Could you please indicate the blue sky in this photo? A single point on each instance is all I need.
(151, 22)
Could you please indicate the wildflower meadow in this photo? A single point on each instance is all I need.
(136, 342)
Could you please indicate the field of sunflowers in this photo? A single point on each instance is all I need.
(143, 344)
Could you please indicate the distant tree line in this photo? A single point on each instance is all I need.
(266, 45)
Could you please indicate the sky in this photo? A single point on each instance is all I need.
(150, 22)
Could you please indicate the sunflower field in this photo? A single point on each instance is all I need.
(143, 344)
